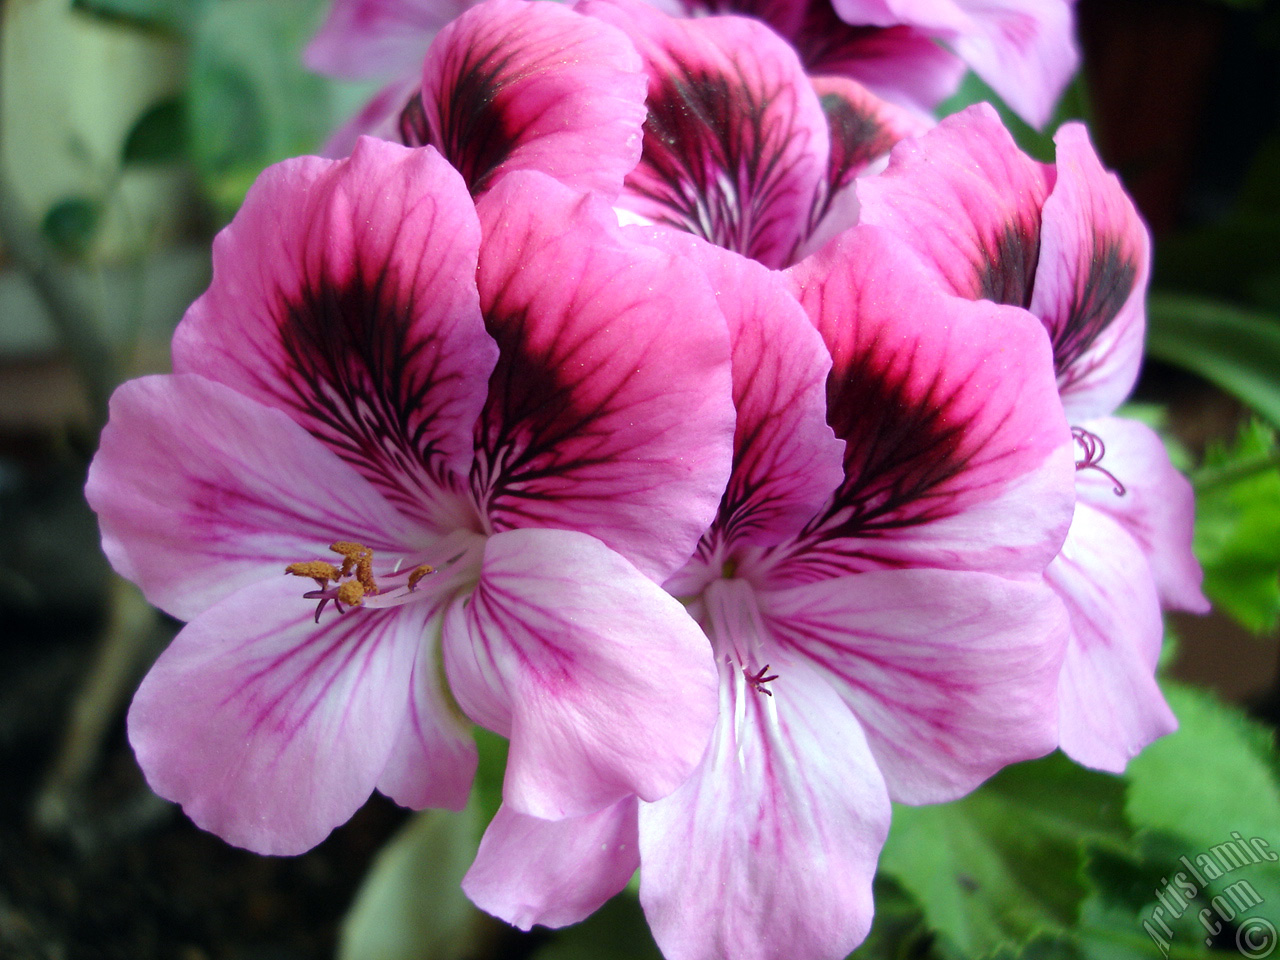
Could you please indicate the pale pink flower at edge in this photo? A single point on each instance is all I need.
(1065, 243)
(872, 587)
(513, 427)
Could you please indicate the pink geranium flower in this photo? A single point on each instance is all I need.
(1066, 243)
(872, 590)
(486, 439)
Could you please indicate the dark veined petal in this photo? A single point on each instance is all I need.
(344, 294)
(602, 682)
(968, 202)
(611, 408)
(786, 460)
(1091, 280)
(271, 730)
(736, 144)
(952, 674)
(201, 491)
(957, 453)
(513, 85)
(767, 852)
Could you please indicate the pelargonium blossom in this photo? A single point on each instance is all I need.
(741, 146)
(422, 462)
(872, 590)
(1065, 243)
(912, 52)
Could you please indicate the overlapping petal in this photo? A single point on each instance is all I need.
(373, 38)
(553, 872)
(268, 729)
(968, 202)
(602, 682)
(512, 85)
(343, 294)
(1111, 704)
(201, 491)
(952, 674)
(956, 451)
(1091, 280)
(735, 144)
(768, 851)
(611, 404)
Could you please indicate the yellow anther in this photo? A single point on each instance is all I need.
(364, 572)
(351, 593)
(350, 552)
(418, 573)
(317, 570)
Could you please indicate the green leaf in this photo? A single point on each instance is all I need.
(1004, 864)
(159, 136)
(898, 930)
(72, 223)
(1210, 782)
(617, 931)
(1237, 349)
(1237, 534)
(411, 905)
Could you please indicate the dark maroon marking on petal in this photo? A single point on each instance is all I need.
(1008, 273)
(412, 125)
(904, 444)
(857, 137)
(475, 132)
(1099, 297)
(702, 127)
(363, 388)
(827, 44)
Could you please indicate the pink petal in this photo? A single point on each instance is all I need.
(1025, 49)
(956, 451)
(1110, 703)
(375, 38)
(344, 294)
(268, 729)
(736, 144)
(952, 675)
(553, 872)
(1091, 280)
(967, 201)
(603, 683)
(786, 460)
(380, 117)
(611, 408)
(768, 851)
(1157, 508)
(433, 759)
(512, 85)
(201, 491)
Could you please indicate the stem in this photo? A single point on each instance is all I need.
(1207, 478)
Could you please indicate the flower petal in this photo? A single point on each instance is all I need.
(967, 201)
(1025, 49)
(735, 145)
(952, 675)
(375, 38)
(611, 409)
(512, 85)
(344, 294)
(268, 729)
(201, 491)
(1110, 702)
(768, 851)
(956, 451)
(1091, 280)
(433, 759)
(602, 681)
(1157, 508)
(553, 872)
(786, 460)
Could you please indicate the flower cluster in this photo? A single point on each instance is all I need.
(624, 409)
